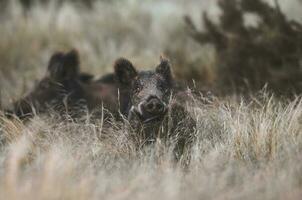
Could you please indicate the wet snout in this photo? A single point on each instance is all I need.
(153, 106)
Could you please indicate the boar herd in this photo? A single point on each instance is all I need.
(146, 99)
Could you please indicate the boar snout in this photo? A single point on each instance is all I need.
(153, 106)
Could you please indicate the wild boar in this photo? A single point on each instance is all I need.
(148, 101)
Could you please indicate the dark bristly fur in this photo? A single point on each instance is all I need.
(146, 98)
(151, 107)
(64, 89)
(58, 89)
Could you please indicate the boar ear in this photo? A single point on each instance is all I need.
(64, 66)
(124, 71)
(164, 68)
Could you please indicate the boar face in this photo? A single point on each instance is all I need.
(149, 91)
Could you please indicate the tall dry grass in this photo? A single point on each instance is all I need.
(242, 149)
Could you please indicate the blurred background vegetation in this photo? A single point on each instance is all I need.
(251, 56)
(228, 46)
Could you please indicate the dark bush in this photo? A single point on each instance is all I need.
(249, 57)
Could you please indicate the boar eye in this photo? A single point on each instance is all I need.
(137, 88)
